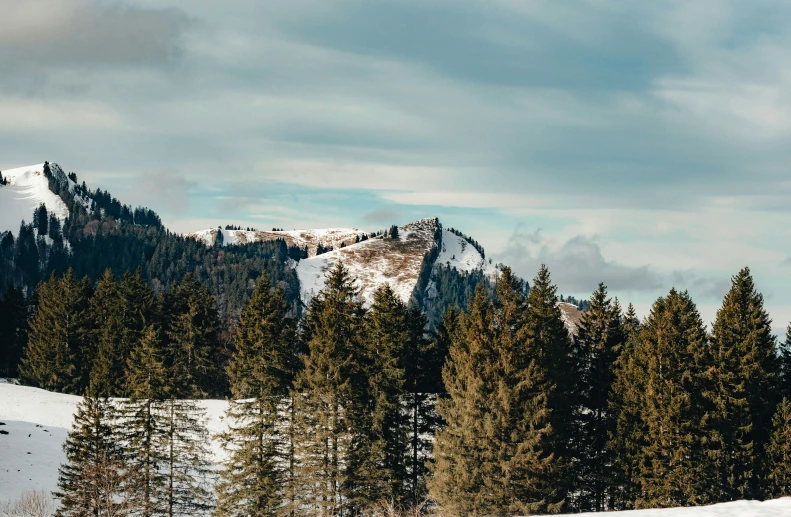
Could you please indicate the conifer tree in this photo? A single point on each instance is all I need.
(424, 360)
(13, 330)
(327, 393)
(662, 389)
(193, 326)
(141, 310)
(257, 478)
(144, 426)
(93, 479)
(778, 452)
(494, 456)
(59, 355)
(784, 375)
(745, 395)
(598, 341)
(547, 334)
(107, 312)
(385, 426)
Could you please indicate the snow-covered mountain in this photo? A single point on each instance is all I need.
(34, 423)
(310, 239)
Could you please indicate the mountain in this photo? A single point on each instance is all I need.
(423, 262)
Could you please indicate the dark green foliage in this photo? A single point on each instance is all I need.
(548, 336)
(192, 327)
(494, 457)
(328, 395)
(452, 289)
(393, 232)
(13, 331)
(784, 375)
(108, 311)
(663, 426)
(385, 427)
(59, 353)
(93, 481)
(599, 341)
(258, 475)
(778, 452)
(744, 394)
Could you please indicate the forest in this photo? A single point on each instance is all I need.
(344, 410)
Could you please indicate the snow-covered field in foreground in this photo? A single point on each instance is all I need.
(36, 423)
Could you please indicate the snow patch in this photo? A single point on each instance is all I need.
(327, 237)
(27, 188)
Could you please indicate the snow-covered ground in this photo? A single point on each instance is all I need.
(35, 423)
(27, 188)
(457, 252)
(34, 426)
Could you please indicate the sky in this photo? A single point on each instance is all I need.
(641, 144)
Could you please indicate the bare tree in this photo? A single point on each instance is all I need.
(32, 503)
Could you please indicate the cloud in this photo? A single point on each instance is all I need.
(577, 265)
(382, 216)
(83, 32)
(166, 189)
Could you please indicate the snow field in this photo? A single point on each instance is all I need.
(26, 189)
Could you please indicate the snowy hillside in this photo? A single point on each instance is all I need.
(34, 423)
(27, 188)
(374, 262)
(328, 237)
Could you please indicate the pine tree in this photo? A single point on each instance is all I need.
(662, 389)
(745, 394)
(327, 393)
(778, 452)
(424, 361)
(546, 333)
(92, 481)
(58, 356)
(624, 405)
(141, 310)
(258, 475)
(144, 425)
(107, 312)
(383, 468)
(43, 220)
(494, 456)
(13, 330)
(784, 375)
(193, 326)
(598, 341)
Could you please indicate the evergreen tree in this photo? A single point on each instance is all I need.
(193, 327)
(599, 340)
(258, 474)
(327, 393)
(42, 218)
(144, 425)
(93, 479)
(107, 312)
(784, 375)
(494, 456)
(778, 452)
(58, 356)
(745, 394)
(13, 330)
(141, 310)
(664, 425)
(385, 425)
(546, 333)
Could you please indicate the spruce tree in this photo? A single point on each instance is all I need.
(107, 312)
(58, 356)
(383, 469)
(193, 326)
(144, 425)
(494, 457)
(328, 391)
(93, 479)
(745, 394)
(784, 375)
(13, 330)
(258, 475)
(778, 452)
(663, 391)
(141, 310)
(599, 340)
(547, 334)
